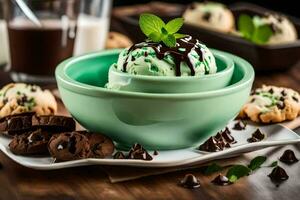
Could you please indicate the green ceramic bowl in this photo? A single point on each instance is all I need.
(161, 84)
(157, 121)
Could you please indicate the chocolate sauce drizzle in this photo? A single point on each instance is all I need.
(188, 43)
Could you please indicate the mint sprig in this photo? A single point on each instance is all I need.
(256, 33)
(157, 31)
(257, 162)
(236, 172)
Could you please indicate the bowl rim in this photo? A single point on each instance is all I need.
(65, 81)
(228, 69)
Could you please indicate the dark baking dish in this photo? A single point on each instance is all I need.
(262, 57)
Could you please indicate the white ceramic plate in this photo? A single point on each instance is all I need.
(276, 135)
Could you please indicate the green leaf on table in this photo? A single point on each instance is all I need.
(174, 25)
(169, 40)
(257, 162)
(273, 164)
(155, 36)
(246, 26)
(262, 34)
(236, 172)
(150, 23)
(212, 168)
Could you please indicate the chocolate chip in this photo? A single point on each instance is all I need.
(221, 180)
(211, 145)
(281, 98)
(132, 58)
(278, 175)
(119, 155)
(271, 90)
(138, 152)
(283, 93)
(72, 144)
(295, 98)
(62, 145)
(206, 16)
(252, 100)
(155, 152)
(190, 181)
(239, 125)
(256, 136)
(146, 54)
(280, 105)
(288, 157)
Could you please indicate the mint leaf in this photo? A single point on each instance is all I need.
(179, 35)
(273, 164)
(233, 178)
(155, 36)
(246, 26)
(212, 168)
(150, 23)
(169, 40)
(257, 162)
(262, 34)
(164, 31)
(236, 172)
(174, 25)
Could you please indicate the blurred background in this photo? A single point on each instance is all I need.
(288, 6)
(85, 26)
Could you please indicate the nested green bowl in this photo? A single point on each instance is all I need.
(161, 84)
(157, 121)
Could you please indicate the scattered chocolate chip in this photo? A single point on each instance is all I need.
(239, 125)
(119, 155)
(132, 58)
(221, 180)
(288, 157)
(226, 135)
(146, 54)
(155, 152)
(278, 175)
(256, 136)
(138, 152)
(252, 100)
(221, 140)
(211, 145)
(295, 98)
(190, 181)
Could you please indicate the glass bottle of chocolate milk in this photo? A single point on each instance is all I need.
(41, 35)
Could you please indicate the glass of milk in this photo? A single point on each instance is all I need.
(4, 51)
(92, 26)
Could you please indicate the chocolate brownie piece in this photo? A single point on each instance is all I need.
(15, 124)
(69, 146)
(100, 145)
(54, 123)
(34, 142)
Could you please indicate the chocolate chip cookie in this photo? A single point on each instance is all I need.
(34, 142)
(20, 123)
(17, 98)
(100, 145)
(14, 124)
(69, 146)
(271, 104)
